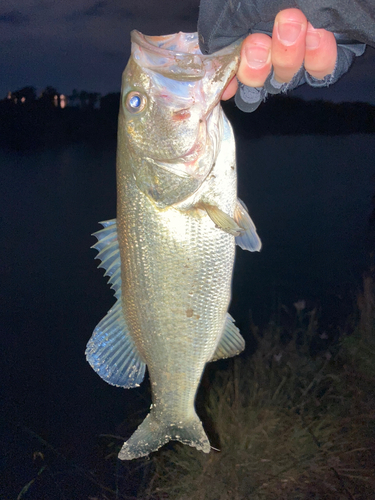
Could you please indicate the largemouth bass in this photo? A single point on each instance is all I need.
(170, 253)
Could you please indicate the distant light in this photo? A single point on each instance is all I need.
(9, 96)
(56, 100)
(23, 99)
(63, 101)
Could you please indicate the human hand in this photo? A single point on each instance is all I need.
(294, 42)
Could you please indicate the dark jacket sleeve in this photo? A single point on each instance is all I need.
(221, 22)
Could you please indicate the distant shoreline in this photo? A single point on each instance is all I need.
(40, 124)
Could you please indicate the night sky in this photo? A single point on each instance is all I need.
(85, 44)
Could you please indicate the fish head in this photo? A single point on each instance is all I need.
(170, 120)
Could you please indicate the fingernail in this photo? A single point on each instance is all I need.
(257, 56)
(288, 32)
(312, 39)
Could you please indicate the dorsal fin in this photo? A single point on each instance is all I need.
(111, 351)
(109, 253)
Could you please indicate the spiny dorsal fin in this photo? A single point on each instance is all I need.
(111, 351)
(221, 219)
(109, 253)
(231, 342)
(248, 239)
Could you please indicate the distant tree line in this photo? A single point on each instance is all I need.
(28, 121)
(52, 97)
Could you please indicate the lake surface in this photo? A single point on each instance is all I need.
(310, 198)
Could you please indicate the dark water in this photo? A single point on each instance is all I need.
(310, 198)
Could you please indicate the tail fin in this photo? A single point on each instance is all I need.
(154, 433)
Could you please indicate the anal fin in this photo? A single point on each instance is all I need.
(231, 342)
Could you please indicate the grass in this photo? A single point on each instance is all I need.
(291, 424)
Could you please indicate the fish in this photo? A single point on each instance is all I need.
(170, 252)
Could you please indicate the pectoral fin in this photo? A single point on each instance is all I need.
(111, 351)
(221, 219)
(248, 239)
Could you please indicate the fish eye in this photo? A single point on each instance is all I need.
(135, 102)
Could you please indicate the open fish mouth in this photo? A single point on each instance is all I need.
(177, 55)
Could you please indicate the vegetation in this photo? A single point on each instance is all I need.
(290, 424)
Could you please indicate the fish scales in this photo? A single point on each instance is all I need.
(178, 220)
(178, 305)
